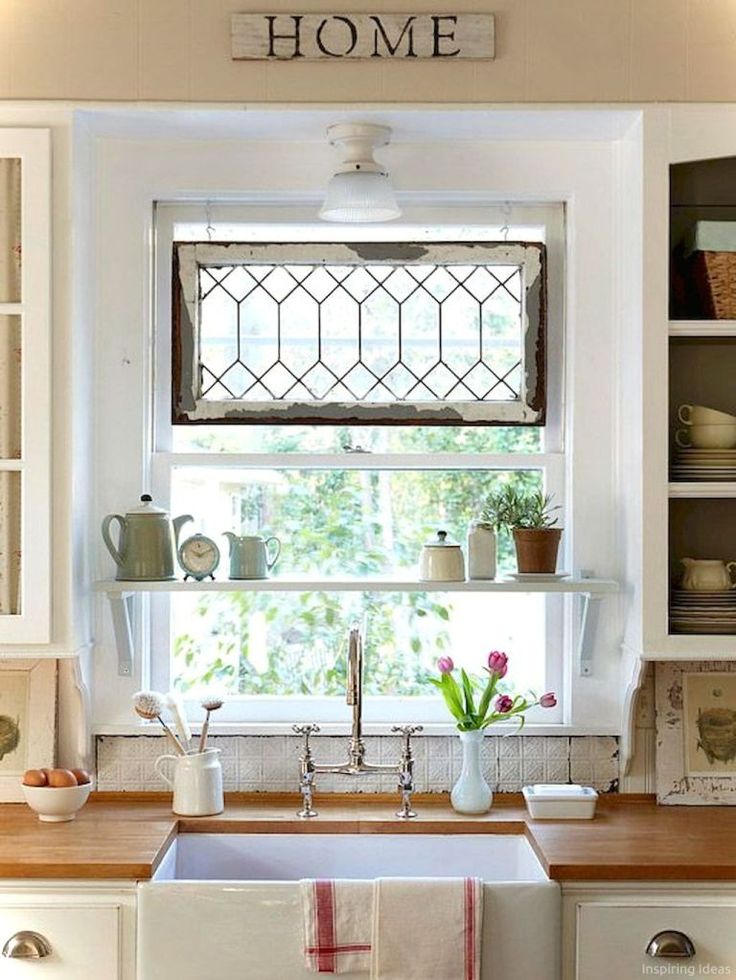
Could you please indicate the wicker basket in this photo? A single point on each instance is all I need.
(714, 274)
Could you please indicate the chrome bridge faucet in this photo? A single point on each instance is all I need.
(356, 764)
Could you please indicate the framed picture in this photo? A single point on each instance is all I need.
(696, 732)
(27, 721)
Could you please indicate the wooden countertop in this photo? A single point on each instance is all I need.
(631, 838)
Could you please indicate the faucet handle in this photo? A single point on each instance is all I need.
(306, 731)
(407, 730)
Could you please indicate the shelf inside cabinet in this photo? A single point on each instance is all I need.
(702, 328)
(702, 489)
(122, 595)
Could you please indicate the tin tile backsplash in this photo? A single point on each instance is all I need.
(269, 763)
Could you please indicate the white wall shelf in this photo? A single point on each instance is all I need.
(591, 586)
(702, 328)
(121, 596)
(702, 489)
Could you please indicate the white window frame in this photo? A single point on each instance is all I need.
(580, 156)
(254, 222)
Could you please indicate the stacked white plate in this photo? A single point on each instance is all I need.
(703, 612)
(704, 464)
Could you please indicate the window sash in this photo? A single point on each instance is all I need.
(189, 406)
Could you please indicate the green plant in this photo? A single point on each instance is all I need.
(512, 506)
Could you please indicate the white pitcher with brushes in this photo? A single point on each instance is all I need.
(195, 775)
(196, 779)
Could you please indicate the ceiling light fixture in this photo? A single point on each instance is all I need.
(360, 189)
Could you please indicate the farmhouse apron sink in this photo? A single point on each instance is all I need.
(227, 905)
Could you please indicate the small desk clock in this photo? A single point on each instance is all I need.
(199, 556)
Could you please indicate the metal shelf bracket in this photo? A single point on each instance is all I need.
(588, 603)
(121, 607)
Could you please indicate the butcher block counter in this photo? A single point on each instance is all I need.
(124, 836)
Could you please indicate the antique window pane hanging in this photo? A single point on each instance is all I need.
(379, 333)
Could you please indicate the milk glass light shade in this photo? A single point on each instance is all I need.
(360, 190)
(360, 197)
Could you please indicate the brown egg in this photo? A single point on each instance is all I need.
(61, 777)
(82, 777)
(34, 777)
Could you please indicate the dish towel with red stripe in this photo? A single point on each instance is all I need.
(337, 925)
(395, 928)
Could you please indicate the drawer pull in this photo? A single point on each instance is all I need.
(669, 943)
(26, 946)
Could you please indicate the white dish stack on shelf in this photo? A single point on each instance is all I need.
(706, 446)
(704, 464)
(703, 612)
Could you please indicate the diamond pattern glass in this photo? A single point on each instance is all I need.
(377, 332)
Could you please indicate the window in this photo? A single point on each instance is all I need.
(442, 333)
(295, 368)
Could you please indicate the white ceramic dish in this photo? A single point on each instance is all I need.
(537, 576)
(547, 801)
(56, 804)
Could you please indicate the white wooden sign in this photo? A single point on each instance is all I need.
(335, 37)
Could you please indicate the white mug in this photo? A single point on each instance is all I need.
(707, 437)
(700, 415)
(196, 782)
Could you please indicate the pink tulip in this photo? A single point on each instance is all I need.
(445, 665)
(504, 703)
(548, 700)
(498, 663)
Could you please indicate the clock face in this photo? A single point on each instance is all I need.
(199, 556)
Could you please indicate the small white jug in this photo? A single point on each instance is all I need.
(707, 575)
(197, 782)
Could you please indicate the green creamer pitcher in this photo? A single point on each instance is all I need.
(147, 544)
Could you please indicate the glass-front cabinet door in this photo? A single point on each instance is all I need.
(25, 552)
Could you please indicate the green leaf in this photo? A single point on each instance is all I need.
(468, 689)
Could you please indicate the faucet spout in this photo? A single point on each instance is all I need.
(355, 694)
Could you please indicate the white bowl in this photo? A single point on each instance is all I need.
(56, 804)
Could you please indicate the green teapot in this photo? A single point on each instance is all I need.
(147, 543)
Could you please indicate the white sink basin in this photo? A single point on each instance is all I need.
(227, 906)
(289, 857)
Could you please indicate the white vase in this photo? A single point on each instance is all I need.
(471, 793)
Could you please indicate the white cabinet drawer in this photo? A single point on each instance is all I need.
(612, 940)
(84, 940)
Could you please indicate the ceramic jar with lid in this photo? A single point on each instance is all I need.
(481, 551)
(441, 561)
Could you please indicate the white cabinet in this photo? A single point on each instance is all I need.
(25, 386)
(607, 933)
(89, 932)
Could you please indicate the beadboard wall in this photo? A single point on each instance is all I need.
(269, 763)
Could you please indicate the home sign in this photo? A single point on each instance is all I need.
(336, 37)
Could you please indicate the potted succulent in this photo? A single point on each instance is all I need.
(471, 793)
(528, 515)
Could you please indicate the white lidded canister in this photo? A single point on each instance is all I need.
(481, 551)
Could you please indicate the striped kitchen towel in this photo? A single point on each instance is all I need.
(394, 928)
(427, 929)
(337, 925)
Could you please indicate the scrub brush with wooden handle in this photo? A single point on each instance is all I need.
(150, 705)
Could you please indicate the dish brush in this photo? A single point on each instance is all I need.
(209, 705)
(150, 705)
(176, 706)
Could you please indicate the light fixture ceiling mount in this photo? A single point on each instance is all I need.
(360, 189)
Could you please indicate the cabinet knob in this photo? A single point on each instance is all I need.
(670, 943)
(26, 946)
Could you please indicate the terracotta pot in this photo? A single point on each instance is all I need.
(536, 549)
